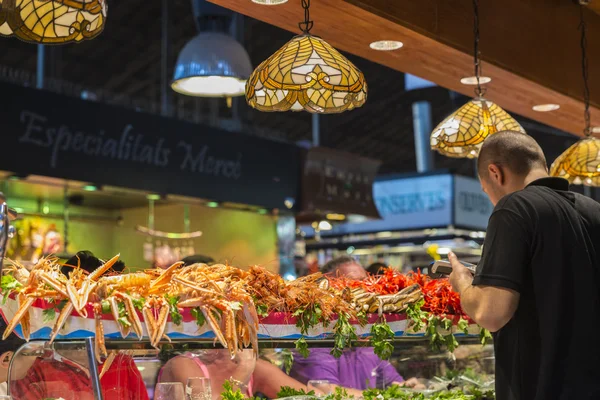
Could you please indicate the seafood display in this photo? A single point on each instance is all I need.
(439, 298)
(216, 293)
(226, 299)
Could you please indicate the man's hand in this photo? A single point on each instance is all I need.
(412, 383)
(460, 278)
(491, 307)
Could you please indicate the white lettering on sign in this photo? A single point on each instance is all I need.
(130, 146)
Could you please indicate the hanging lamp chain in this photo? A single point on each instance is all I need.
(307, 25)
(585, 73)
(479, 92)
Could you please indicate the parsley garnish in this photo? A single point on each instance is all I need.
(176, 316)
(381, 337)
(198, 316)
(302, 347)
(8, 283)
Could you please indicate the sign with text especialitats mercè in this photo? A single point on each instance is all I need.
(52, 135)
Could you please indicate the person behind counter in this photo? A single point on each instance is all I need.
(217, 365)
(358, 368)
(538, 283)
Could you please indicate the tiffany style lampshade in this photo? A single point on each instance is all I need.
(580, 163)
(306, 74)
(462, 133)
(52, 21)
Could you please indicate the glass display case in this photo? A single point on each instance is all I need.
(69, 369)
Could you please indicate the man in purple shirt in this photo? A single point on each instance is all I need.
(358, 368)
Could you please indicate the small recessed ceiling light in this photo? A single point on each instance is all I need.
(212, 204)
(90, 188)
(472, 80)
(545, 107)
(386, 45)
(269, 2)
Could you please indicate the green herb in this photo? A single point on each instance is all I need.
(484, 336)
(310, 317)
(361, 316)
(343, 335)
(235, 305)
(230, 394)
(463, 326)
(338, 394)
(49, 314)
(8, 283)
(288, 360)
(381, 337)
(176, 316)
(415, 313)
(105, 307)
(61, 304)
(198, 316)
(139, 303)
(302, 347)
(287, 391)
(262, 310)
(122, 311)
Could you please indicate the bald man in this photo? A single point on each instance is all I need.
(538, 284)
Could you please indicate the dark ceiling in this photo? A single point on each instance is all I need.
(123, 66)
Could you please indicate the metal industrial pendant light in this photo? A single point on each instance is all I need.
(306, 74)
(212, 64)
(54, 21)
(580, 163)
(462, 133)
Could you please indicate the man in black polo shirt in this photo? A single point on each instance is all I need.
(537, 285)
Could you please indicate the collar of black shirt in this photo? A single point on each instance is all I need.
(552, 183)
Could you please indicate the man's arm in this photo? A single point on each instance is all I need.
(491, 307)
(268, 379)
(492, 297)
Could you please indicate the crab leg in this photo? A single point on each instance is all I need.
(25, 326)
(133, 317)
(150, 321)
(165, 277)
(114, 308)
(214, 324)
(85, 292)
(103, 268)
(74, 298)
(60, 321)
(192, 285)
(107, 363)
(160, 325)
(55, 284)
(23, 309)
(231, 332)
(99, 339)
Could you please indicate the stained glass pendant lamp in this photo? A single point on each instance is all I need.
(462, 133)
(306, 74)
(52, 21)
(580, 163)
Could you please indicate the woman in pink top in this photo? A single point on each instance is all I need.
(257, 376)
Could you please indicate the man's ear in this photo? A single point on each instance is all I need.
(5, 359)
(496, 174)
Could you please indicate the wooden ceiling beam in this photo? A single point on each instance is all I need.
(351, 28)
